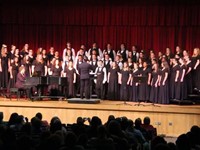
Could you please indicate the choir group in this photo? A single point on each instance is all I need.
(118, 75)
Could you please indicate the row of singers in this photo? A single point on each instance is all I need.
(69, 53)
(160, 84)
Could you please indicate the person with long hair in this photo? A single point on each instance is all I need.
(20, 81)
(50, 54)
(11, 54)
(134, 84)
(174, 75)
(56, 71)
(130, 63)
(179, 51)
(113, 84)
(21, 77)
(140, 63)
(164, 84)
(31, 56)
(70, 73)
(39, 67)
(144, 87)
(39, 51)
(14, 69)
(196, 68)
(124, 81)
(4, 67)
(50, 66)
(160, 57)
(27, 65)
(24, 50)
(168, 55)
(185, 54)
(188, 75)
(44, 56)
(154, 84)
(17, 54)
(182, 94)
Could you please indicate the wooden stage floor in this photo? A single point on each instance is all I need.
(170, 120)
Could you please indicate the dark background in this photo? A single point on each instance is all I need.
(150, 24)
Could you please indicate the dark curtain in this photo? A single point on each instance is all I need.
(147, 24)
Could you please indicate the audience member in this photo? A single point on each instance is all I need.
(116, 134)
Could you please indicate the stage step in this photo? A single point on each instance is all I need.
(181, 102)
(194, 96)
(83, 101)
(92, 96)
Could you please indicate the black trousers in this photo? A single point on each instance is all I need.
(85, 88)
(100, 90)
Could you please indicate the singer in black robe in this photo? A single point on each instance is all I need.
(124, 87)
(154, 87)
(113, 85)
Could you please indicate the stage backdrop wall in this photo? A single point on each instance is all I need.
(148, 24)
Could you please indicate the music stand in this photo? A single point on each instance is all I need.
(143, 79)
(139, 79)
(124, 103)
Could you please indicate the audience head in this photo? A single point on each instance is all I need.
(147, 121)
(39, 115)
(36, 123)
(80, 121)
(53, 142)
(157, 140)
(70, 140)
(111, 117)
(24, 143)
(172, 146)
(138, 123)
(101, 132)
(55, 124)
(13, 119)
(95, 122)
(114, 127)
(1, 117)
(183, 143)
(162, 146)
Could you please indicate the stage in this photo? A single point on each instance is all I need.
(170, 120)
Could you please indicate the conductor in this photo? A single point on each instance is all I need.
(84, 70)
